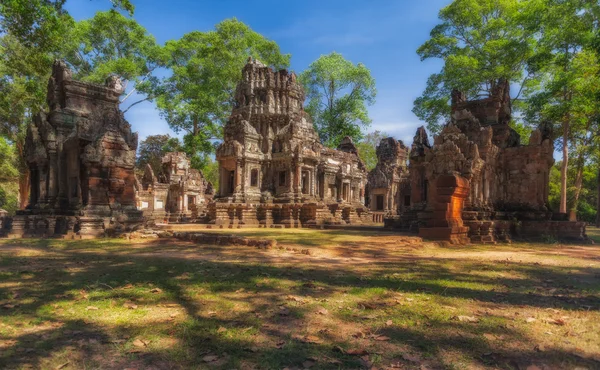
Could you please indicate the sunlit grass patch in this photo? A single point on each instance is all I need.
(113, 303)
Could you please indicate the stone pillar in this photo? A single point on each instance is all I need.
(63, 199)
(244, 176)
(238, 176)
(52, 178)
(447, 200)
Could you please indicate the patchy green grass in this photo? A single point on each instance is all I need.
(358, 300)
(593, 233)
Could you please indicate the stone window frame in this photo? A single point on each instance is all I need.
(282, 181)
(254, 177)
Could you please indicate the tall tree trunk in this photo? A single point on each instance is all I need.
(578, 183)
(564, 167)
(598, 200)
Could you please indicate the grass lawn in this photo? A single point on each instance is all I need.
(354, 300)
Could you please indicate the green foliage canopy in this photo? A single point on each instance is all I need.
(338, 93)
(206, 67)
(367, 148)
(480, 42)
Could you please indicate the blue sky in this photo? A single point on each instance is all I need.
(382, 34)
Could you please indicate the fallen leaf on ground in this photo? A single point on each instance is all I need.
(489, 336)
(140, 343)
(322, 311)
(468, 318)
(130, 305)
(382, 338)
(388, 323)
(539, 348)
(368, 305)
(311, 339)
(156, 290)
(411, 358)
(530, 319)
(210, 358)
(283, 311)
(62, 366)
(357, 352)
(221, 330)
(92, 308)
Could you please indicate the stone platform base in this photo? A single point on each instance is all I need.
(34, 223)
(453, 235)
(286, 215)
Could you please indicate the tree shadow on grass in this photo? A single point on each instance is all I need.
(63, 273)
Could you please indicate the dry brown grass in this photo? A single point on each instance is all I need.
(359, 299)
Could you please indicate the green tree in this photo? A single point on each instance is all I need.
(42, 24)
(206, 67)
(338, 93)
(36, 32)
(563, 69)
(480, 43)
(152, 149)
(367, 148)
(113, 44)
(9, 173)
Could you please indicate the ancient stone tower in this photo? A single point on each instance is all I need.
(273, 169)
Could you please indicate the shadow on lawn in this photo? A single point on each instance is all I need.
(93, 344)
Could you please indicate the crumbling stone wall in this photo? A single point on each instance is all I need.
(80, 155)
(478, 182)
(178, 194)
(388, 182)
(273, 169)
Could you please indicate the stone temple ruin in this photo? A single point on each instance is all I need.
(81, 156)
(178, 194)
(274, 170)
(477, 182)
(388, 186)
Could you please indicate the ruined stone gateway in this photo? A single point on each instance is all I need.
(178, 194)
(81, 156)
(388, 189)
(273, 168)
(478, 183)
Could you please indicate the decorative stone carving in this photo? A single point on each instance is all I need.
(273, 169)
(388, 183)
(179, 194)
(477, 179)
(80, 156)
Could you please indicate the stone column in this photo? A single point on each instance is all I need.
(52, 178)
(238, 176)
(62, 175)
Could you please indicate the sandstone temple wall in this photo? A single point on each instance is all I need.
(389, 190)
(178, 194)
(477, 182)
(80, 156)
(273, 168)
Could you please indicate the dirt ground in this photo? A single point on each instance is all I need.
(323, 299)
